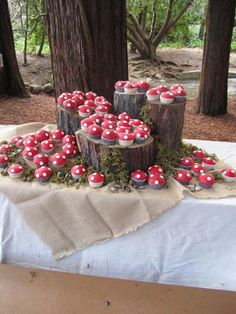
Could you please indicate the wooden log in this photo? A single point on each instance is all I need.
(169, 121)
(137, 156)
(68, 122)
(131, 104)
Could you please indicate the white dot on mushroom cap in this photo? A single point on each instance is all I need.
(56, 131)
(37, 175)
(201, 171)
(85, 124)
(64, 157)
(156, 182)
(74, 151)
(51, 145)
(188, 175)
(68, 105)
(92, 178)
(40, 156)
(12, 170)
(102, 175)
(180, 175)
(94, 129)
(57, 156)
(29, 153)
(5, 158)
(88, 110)
(138, 176)
(54, 136)
(83, 169)
(108, 132)
(41, 163)
(125, 137)
(44, 174)
(208, 178)
(224, 172)
(54, 162)
(138, 135)
(67, 152)
(77, 171)
(187, 161)
(196, 166)
(161, 177)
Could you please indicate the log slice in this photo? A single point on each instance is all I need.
(131, 104)
(68, 122)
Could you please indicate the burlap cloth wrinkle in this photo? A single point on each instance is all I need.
(68, 220)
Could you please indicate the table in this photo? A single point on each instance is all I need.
(199, 253)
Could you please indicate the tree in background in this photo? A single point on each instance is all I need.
(11, 81)
(212, 99)
(88, 44)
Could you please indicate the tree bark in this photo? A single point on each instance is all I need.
(68, 122)
(88, 44)
(12, 83)
(212, 99)
(131, 104)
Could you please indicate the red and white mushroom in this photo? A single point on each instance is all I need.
(123, 129)
(79, 99)
(57, 135)
(69, 150)
(98, 100)
(135, 123)
(153, 94)
(90, 103)
(96, 179)
(124, 116)
(126, 139)
(154, 169)
(186, 162)
(63, 97)
(43, 174)
(15, 139)
(78, 92)
(40, 160)
(167, 98)
(96, 118)
(119, 86)
(130, 88)
(101, 110)
(5, 148)
(176, 86)
(229, 175)
(197, 169)
(4, 160)
(42, 135)
(95, 131)
(109, 137)
(183, 176)
(140, 136)
(70, 105)
(47, 146)
(106, 124)
(138, 177)
(198, 155)
(107, 104)
(20, 142)
(208, 163)
(179, 94)
(85, 123)
(145, 128)
(58, 160)
(84, 111)
(110, 117)
(124, 123)
(68, 139)
(91, 95)
(142, 86)
(78, 171)
(206, 180)
(15, 171)
(162, 88)
(30, 152)
(156, 181)
(30, 141)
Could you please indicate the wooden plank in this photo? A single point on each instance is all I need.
(25, 290)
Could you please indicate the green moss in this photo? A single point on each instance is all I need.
(145, 117)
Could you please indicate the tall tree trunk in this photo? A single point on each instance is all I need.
(212, 99)
(88, 44)
(39, 53)
(12, 82)
(26, 32)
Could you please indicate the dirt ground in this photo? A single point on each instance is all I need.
(42, 108)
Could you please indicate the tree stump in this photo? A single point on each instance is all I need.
(169, 121)
(137, 156)
(131, 104)
(68, 122)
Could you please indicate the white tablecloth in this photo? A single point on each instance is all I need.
(175, 248)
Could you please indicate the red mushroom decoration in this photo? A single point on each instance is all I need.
(206, 180)
(176, 86)
(119, 86)
(138, 178)
(109, 137)
(98, 100)
(153, 95)
(19, 143)
(70, 105)
(135, 123)
(186, 163)
(78, 92)
(40, 160)
(42, 135)
(130, 88)
(101, 110)
(108, 125)
(140, 136)
(95, 131)
(15, 139)
(198, 155)
(145, 128)
(78, 171)
(162, 88)
(197, 169)
(123, 129)
(96, 179)
(57, 135)
(30, 152)
(229, 175)
(96, 118)
(68, 139)
(30, 141)
(79, 99)
(69, 150)
(110, 117)
(126, 139)
(5, 148)
(63, 97)
(15, 171)
(85, 123)
(4, 160)
(142, 86)
(43, 174)
(47, 146)
(156, 181)
(124, 123)
(208, 163)
(167, 98)
(90, 103)
(155, 169)
(179, 94)
(84, 111)
(124, 116)
(58, 160)
(183, 176)
(91, 95)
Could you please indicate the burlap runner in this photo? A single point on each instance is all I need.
(67, 219)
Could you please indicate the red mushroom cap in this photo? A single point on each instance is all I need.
(70, 104)
(186, 161)
(139, 175)
(101, 109)
(30, 152)
(124, 123)
(176, 86)
(95, 129)
(42, 135)
(78, 170)
(57, 135)
(86, 122)
(106, 124)
(79, 99)
(90, 103)
(126, 136)
(142, 85)
(16, 168)
(183, 176)
(107, 104)
(69, 150)
(167, 95)
(120, 84)
(99, 99)
(144, 128)
(15, 139)
(68, 139)
(40, 160)
(63, 97)
(198, 168)
(84, 109)
(208, 161)
(130, 85)
(231, 173)
(110, 117)
(199, 154)
(47, 145)
(78, 92)
(162, 88)
(206, 179)
(43, 172)
(109, 134)
(3, 159)
(123, 129)
(96, 177)
(155, 169)
(179, 92)
(153, 92)
(140, 134)
(5, 148)
(96, 118)
(20, 142)
(124, 116)
(135, 122)
(90, 95)
(156, 179)
(30, 141)
(58, 159)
